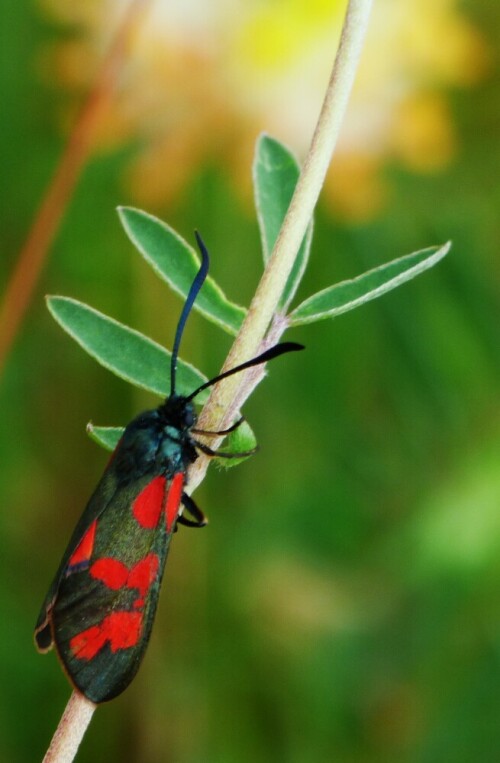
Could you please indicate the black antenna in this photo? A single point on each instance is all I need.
(272, 352)
(193, 293)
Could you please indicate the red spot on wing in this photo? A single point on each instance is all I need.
(121, 629)
(83, 551)
(111, 572)
(86, 644)
(115, 575)
(174, 499)
(142, 576)
(148, 505)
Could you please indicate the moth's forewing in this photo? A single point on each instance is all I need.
(104, 609)
(101, 605)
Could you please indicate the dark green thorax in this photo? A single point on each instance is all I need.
(157, 442)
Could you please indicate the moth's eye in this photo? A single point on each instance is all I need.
(189, 418)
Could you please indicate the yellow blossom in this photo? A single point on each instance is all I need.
(204, 79)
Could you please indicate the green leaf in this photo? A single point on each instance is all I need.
(347, 295)
(275, 174)
(122, 350)
(239, 441)
(177, 263)
(107, 437)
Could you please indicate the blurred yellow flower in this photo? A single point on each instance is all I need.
(204, 79)
(424, 139)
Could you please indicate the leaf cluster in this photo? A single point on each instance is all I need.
(142, 362)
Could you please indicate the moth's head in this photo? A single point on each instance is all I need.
(178, 412)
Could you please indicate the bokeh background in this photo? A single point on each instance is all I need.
(344, 603)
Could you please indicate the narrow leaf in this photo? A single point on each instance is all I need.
(107, 437)
(177, 263)
(347, 295)
(122, 350)
(275, 173)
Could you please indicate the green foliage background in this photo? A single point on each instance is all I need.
(343, 603)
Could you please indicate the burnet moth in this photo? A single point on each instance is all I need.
(100, 608)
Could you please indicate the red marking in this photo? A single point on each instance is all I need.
(83, 551)
(142, 576)
(115, 575)
(174, 499)
(111, 572)
(121, 629)
(148, 505)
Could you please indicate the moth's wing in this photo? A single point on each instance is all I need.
(132, 459)
(106, 599)
(104, 495)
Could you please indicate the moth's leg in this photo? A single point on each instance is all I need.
(222, 431)
(220, 454)
(190, 506)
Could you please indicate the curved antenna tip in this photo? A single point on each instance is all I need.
(192, 294)
(201, 244)
(269, 354)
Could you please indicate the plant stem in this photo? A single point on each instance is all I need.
(221, 404)
(72, 727)
(229, 394)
